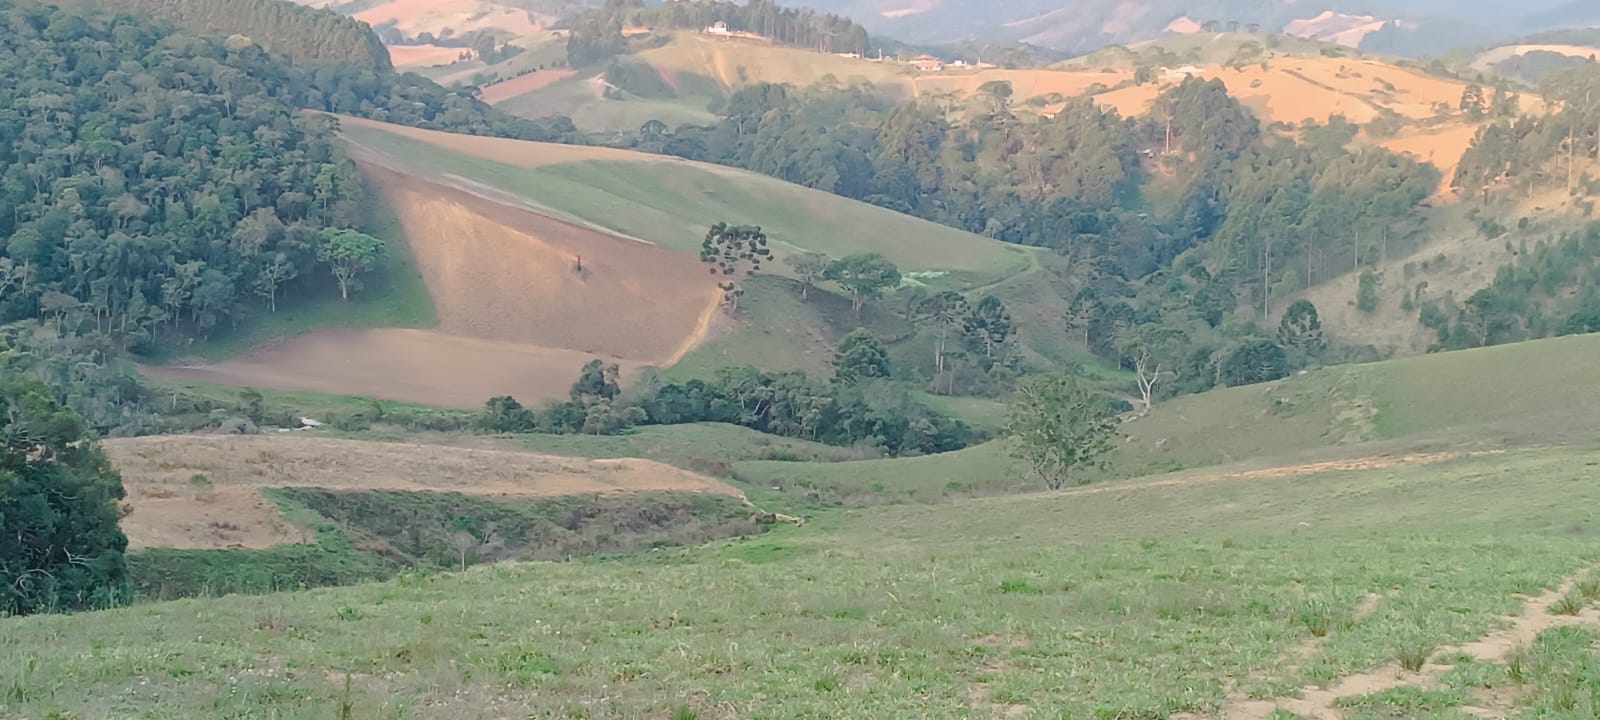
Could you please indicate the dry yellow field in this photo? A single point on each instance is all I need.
(417, 56)
(457, 16)
(170, 509)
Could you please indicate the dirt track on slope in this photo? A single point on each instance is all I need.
(169, 509)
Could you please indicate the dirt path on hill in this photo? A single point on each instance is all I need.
(1519, 631)
(1374, 462)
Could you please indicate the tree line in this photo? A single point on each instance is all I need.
(853, 408)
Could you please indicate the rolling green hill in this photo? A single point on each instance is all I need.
(1485, 398)
(1148, 601)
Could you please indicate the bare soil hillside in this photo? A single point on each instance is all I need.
(204, 491)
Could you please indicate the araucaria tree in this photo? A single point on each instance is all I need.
(348, 254)
(60, 547)
(1300, 327)
(1058, 426)
(988, 327)
(733, 251)
(865, 276)
(943, 312)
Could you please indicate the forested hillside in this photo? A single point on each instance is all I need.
(1173, 223)
(155, 185)
(302, 33)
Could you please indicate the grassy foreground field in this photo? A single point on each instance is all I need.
(1133, 601)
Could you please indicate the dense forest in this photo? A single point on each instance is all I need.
(1175, 220)
(304, 34)
(158, 185)
(154, 184)
(597, 35)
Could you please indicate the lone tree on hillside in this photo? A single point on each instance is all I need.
(1472, 101)
(1147, 349)
(1057, 426)
(864, 276)
(348, 253)
(860, 357)
(733, 251)
(809, 268)
(60, 547)
(1300, 327)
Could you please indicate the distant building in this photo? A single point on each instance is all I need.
(718, 28)
(1179, 73)
(927, 63)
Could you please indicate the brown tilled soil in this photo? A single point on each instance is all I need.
(427, 367)
(502, 273)
(524, 84)
(517, 315)
(171, 509)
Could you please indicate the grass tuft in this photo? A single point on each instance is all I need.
(1570, 604)
(1589, 588)
(1019, 587)
(1318, 617)
(1413, 655)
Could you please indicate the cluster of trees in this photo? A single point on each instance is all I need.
(1551, 289)
(859, 407)
(1518, 153)
(597, 35)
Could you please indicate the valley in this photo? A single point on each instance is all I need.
(549, 358)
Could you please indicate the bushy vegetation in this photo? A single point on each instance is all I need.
(853, 410)
(60, 546)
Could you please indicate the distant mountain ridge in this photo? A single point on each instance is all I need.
(1086, 25)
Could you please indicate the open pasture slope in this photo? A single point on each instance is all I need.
(1126, 601)
(1373, 415)
(670, 202)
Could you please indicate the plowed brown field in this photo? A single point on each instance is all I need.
(170, 509)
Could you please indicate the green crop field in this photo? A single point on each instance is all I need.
(1137, 602)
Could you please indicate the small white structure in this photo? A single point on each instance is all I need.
(718, 28)
(927, 63)
(1179, 73)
